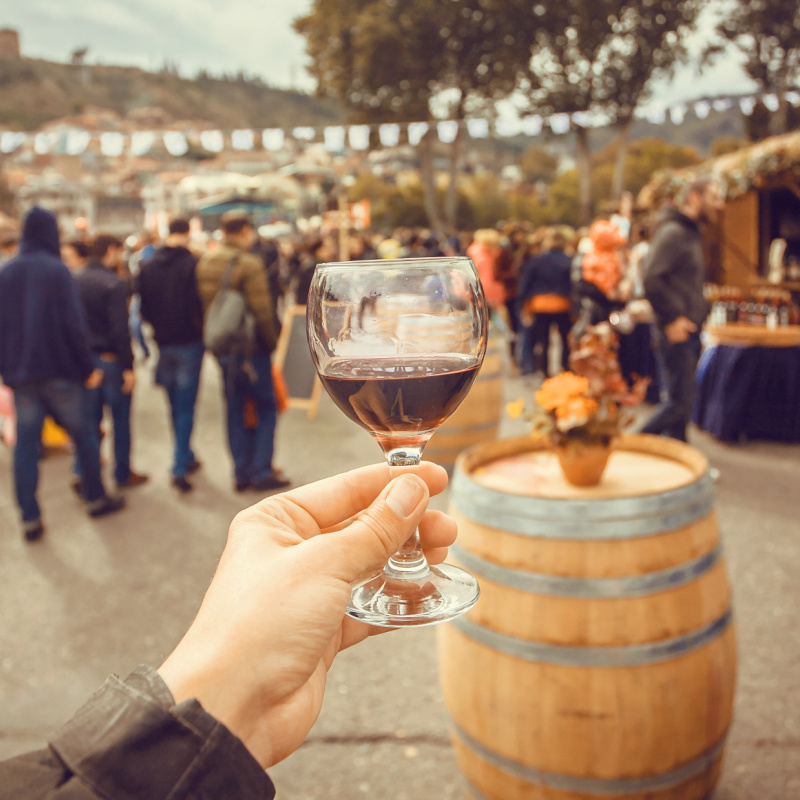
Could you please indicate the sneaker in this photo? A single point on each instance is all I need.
(713, 473)
(32, 531)
(275, 481)
(76, 484)
(193, 466)
(241, 485)
(181, 484)
(133, 479)
(105, 505)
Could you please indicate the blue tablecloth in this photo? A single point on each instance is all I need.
(749, 393)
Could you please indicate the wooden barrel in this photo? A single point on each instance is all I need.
(477, 419)
(600, 660)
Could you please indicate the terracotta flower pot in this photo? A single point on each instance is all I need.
(583, 463)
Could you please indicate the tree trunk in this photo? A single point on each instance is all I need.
(584, 175)
(618, 181)
(782, 115)
(451, 200)
(429, 181)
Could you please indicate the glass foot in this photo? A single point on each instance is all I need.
(442, 593)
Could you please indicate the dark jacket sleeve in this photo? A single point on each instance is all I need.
(256, 290)
(118, 330)
(75, 327)
(664, 263)
(130, 742)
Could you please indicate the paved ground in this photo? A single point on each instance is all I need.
(102, 596)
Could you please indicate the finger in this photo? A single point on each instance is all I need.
(437, 529)
(330, 501)
(377, 533)
(436, 555)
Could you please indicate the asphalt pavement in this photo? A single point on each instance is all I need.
(101, 596)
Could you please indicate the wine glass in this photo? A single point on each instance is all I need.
(397, 344)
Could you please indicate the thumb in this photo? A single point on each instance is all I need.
(364, 546)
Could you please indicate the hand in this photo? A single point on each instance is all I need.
(94, 380)
(679, 329)
(128, 381)
(273, 619)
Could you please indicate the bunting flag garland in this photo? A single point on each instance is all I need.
(338, 138)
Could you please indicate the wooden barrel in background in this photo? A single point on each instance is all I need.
(477, 419)
(600, 660)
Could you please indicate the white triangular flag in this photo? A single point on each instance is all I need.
(212, 141)
(334, 138)
(701, 109)
(583, 118)
(389, 134)
(478, 128)
(176, 143)
(657, 116)
(141, 142)
(304, 134)
(532, 125)
(416, 130)
(559, 123)
(722, 104)
(508, 126)
(112, 144)
(11, 140)
(44, 142)
(448, 130)
(76, 142)
(677, 114)
(771, 102)
(242, 139)
(272, 139)
(747, 104)
(793, 98)
(358, 136)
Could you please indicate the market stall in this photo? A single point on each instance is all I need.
(748, 379)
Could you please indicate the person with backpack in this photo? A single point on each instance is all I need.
(240, 330)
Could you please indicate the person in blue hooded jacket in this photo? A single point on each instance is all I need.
(45, 359)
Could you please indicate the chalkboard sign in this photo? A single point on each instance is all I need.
(293, 358)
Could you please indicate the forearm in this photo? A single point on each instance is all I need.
(130, 740)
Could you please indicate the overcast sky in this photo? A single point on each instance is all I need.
(253, 35)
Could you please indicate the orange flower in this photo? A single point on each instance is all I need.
(575, 412)
(558, 391)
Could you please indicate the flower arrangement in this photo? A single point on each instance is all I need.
(589, 405)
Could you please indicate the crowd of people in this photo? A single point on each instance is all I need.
(69, 335)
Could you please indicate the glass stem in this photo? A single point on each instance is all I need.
(409, 561)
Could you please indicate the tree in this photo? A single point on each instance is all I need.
(390, 61)
(599, 56)
(767, 33)
(538, 164)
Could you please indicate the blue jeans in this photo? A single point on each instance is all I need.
(66, 403)
(251, 449)
(135, 324)
(680, 364)
(538, 335)
(109, 393)
(179, 373)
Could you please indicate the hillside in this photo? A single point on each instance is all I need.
(34, 91)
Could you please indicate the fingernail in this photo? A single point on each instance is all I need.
(404, 496)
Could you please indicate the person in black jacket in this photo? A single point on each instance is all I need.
(674, 272)
(170, 303)
(105, 303)
(45, 359)
(243, 688)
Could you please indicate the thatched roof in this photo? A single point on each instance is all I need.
(770, 162)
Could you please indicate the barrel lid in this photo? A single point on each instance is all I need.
(651, 484)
